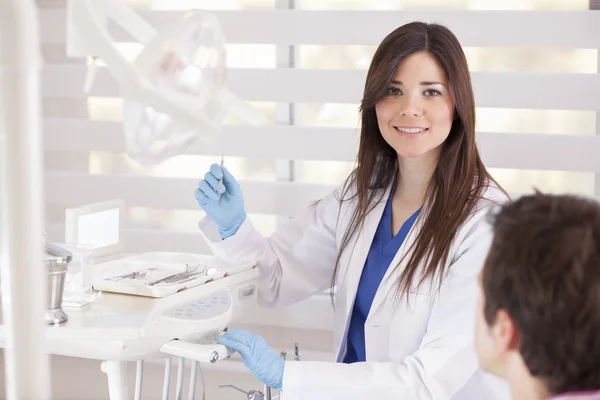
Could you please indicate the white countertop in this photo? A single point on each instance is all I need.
(118, 326)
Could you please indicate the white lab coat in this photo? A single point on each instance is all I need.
(422, 349)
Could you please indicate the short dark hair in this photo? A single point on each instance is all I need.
(543, 269)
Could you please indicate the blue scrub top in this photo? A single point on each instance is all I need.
(383, 250)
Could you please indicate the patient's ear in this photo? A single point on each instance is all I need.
(505, 332)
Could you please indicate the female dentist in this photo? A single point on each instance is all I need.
(403, 240)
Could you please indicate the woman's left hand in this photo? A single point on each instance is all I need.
(258, 357)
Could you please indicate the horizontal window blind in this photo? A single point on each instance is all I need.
(316, 143)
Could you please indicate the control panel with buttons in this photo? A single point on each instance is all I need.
(203, 308)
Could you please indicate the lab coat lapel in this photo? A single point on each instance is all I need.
(389, 281)
(363, 245)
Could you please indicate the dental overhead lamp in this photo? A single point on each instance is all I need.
(175, 91)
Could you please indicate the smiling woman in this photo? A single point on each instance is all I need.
(402, 241)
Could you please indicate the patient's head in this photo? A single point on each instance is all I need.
(538, 320)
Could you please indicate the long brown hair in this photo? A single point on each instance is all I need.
(460, 178)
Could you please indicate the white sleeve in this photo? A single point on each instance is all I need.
(444, 362)
(296, 262)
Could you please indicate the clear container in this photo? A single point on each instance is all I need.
(78, 281)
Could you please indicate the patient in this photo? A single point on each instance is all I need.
(538, 322)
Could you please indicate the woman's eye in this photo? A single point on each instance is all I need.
(432, 92)
(394, 91)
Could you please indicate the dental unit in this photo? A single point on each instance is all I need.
(151, 305)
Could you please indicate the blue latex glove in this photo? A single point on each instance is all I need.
(258, 357)
(228, 212)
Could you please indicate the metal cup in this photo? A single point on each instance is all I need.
(57, 262)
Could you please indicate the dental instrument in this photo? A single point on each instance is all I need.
(180, 276)
(220, 187)
(133, 275)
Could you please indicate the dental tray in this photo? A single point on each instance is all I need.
(160, 274)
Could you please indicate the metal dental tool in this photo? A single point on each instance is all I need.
(132, 275)
(181, 276)
(220, 187)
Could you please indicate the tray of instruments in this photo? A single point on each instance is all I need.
(159, 274)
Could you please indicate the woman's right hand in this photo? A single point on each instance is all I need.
(228, 211)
